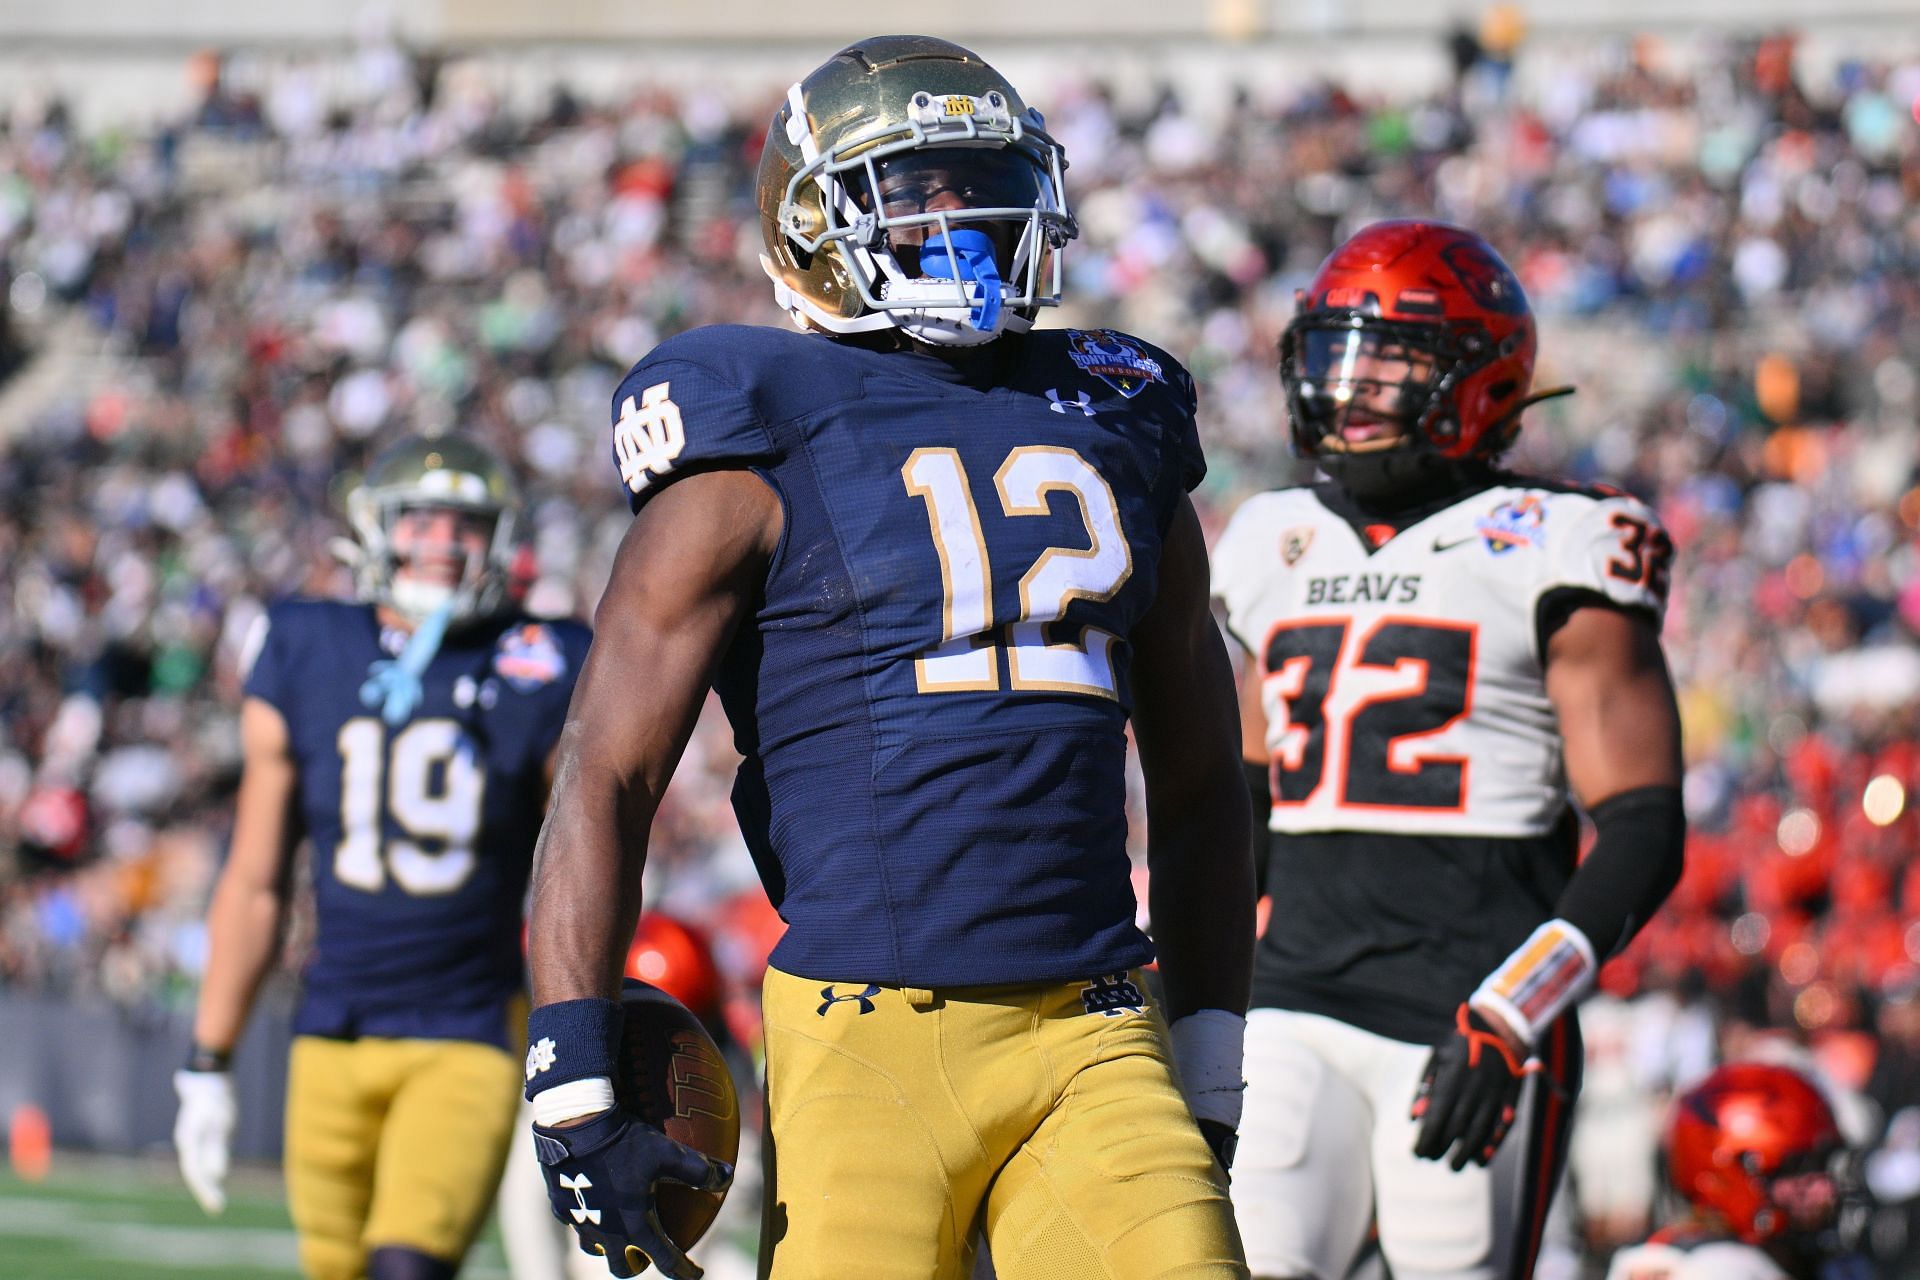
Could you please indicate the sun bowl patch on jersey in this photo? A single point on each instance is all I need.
(530, 657)
(1517, 522)
(1114, 358)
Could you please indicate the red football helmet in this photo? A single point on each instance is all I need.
(673, 957)
(1753, 1145)
(1411, 350)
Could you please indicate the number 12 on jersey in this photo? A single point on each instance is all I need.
(965, 659)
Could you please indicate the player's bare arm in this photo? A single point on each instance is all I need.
(243, 934)
(1198, 832)
(250, 900)
(1197, 820)
(1253, 721)
(1608, 681)
(1254, 767)
(688, 570)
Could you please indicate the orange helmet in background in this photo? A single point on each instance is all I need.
(675, 958)
(1436, 301)
(1751, 1145)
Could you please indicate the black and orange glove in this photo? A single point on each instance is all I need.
(1469, 1094)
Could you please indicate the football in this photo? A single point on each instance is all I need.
(672, 1074)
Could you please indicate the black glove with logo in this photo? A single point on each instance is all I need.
(1469, 1094)
(600, 1177)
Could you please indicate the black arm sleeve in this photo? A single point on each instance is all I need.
(1631, 869)
(1260, 797)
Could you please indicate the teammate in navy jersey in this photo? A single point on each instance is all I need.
(408, 736)
(933, 560)
(1442, 655)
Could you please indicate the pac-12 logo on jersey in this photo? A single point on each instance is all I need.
(1294, 543)
(529, 657)
(1519, 522)
(1114, 358)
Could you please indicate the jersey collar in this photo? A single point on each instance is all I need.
(1376, 526)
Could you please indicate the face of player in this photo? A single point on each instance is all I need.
(1370, 385)
(952, 180)
(1809, 1200)
(436, 546)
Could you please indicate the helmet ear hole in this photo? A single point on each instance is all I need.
(1502, 390)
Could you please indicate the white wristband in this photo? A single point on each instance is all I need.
(1207, 1050)
(575, 1098)
(1537, 983)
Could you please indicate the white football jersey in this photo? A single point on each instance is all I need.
(1404, 682)
(1721, 1260)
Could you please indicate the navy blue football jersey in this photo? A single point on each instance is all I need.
(422, 834)
(932, 699)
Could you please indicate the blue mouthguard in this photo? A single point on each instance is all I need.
(966, 255)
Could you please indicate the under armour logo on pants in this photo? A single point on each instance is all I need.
(829, 999)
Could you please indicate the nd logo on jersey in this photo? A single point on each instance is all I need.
(648, 437)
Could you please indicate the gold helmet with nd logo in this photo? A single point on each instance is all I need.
(433, 522)
(905, 185)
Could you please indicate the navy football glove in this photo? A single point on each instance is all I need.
(1469, 1094)
(600, 1177)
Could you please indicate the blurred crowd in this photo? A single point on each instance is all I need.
(209, 324)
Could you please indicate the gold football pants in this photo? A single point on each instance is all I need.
(394, 1143)
(905, 1124)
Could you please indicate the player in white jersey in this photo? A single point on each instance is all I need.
(1440, 652)
(1750, 1150)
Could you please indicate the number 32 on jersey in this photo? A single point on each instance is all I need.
(963, 660)
(1419, 675)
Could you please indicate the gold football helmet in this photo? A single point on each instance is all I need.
(905, 185)
(441, 472)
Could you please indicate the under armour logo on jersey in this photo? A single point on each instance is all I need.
(829, 999)
(1083, 402)
(648, 437)
(540, 1056)
(578, 1183)
(1113, 995)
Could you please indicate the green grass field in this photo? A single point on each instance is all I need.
(96, 1218)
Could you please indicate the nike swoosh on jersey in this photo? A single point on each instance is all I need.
(1442, 545)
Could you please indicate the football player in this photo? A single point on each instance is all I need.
(409, 736)
(1751, 1151)
(1440, 653)
(933, 558)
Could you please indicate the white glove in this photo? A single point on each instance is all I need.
(203, 1133)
